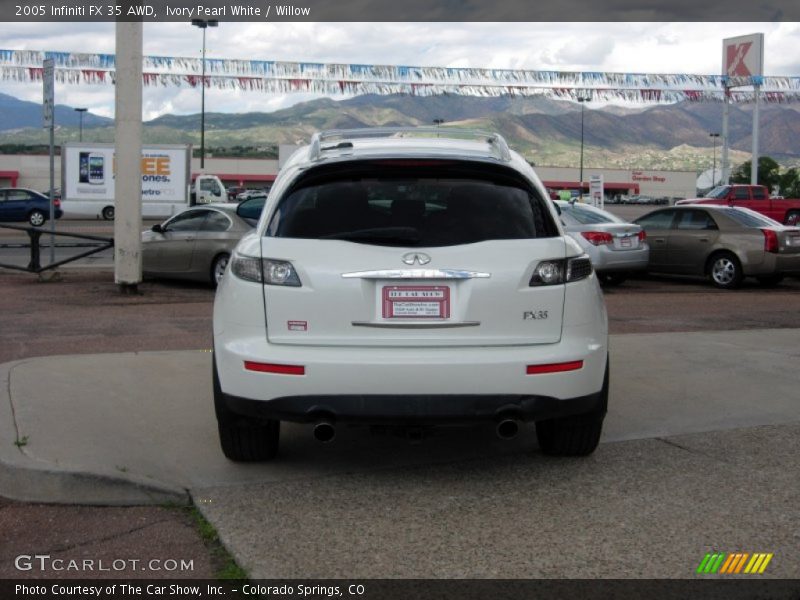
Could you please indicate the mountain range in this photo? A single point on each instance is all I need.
(546, 131)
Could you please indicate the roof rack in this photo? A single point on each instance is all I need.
(495, 140)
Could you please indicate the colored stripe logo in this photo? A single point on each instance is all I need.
(734, 563)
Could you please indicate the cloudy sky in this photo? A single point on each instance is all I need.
(620, 47)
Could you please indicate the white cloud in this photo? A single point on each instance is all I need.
(620, 47)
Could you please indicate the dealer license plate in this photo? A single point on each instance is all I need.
(416, 302)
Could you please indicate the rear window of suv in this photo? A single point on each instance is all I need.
(412, 203)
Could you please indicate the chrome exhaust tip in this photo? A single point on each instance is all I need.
(507, 429)
(324, 432)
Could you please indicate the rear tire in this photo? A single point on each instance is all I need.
(218, 268)
(725, 270)
(611, 279)
(243, 439)
(108, 213)
(576, 435)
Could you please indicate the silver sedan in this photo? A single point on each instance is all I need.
(194, 244)
(617, 248)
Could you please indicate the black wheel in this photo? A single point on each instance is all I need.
(793, 218)
(770, 280)
(218, 268)
(36, 218)
(576, 435)
(725, 270)
(611, 278)
(108, 213)
(243, 439)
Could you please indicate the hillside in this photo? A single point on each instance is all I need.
(546, 131)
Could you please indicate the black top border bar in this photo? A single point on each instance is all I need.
(264, 11)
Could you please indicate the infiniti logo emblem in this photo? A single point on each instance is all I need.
(416, 257)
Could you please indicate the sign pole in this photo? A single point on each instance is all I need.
(754, 164)
(726, 171)
(128, 177)
(49, 122)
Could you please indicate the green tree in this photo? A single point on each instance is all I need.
(768, 172)
(790, 183)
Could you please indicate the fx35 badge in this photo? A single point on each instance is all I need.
(534, 315)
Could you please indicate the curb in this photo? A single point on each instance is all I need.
(26, 479)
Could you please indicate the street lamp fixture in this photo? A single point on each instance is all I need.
(80, 112)
(714, 137)
(582, 100)
(203, 24)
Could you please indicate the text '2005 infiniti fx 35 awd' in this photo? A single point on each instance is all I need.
(409, 278)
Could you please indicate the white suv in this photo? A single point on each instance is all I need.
(401, 278)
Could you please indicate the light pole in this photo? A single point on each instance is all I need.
(581, 100)
(438, 122)
(203, 24)
(714, 137)
(80, 112)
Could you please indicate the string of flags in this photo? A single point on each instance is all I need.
(355, 79)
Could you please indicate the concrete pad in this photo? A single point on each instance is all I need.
(95, 423)
(634, 509)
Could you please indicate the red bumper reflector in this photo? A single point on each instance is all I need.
(271, 368)
(554, 368)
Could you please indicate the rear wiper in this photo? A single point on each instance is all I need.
(405, 235)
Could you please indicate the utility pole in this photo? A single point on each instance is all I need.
(80, 112)
(128, 154)
(714, 137)
(203, 24)
(581, 100)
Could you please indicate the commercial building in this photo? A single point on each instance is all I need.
(32, 171)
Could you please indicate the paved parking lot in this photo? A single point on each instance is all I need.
(681, 470)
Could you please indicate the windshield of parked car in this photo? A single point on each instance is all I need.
(718, 192)
(580, 214)
(405, 203)
(750, 218)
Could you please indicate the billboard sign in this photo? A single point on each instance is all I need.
(89, 173)
(596, 191)
(743, 56)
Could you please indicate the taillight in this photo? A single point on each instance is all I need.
(554, 367)
(266, 270)
(557, 271)
(598, 238)
(642, 235)
(770, 240)
(274, 368)
(56, 202)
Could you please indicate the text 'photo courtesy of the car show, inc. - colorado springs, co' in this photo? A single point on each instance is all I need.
(381, 301)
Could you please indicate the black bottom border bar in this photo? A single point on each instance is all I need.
(733, 587)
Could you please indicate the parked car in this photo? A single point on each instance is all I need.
(233, 192)
(196, 243)
(754, 197)
(725, 244)
(247, 194)
(19, 204)
(617, 248)
(405, 279)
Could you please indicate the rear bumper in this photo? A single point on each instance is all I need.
(606, 260)
(435, 385)
(410, 409)
(775, 264)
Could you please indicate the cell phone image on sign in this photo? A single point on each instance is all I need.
(83, 167)
(96, 169)
(418, 302)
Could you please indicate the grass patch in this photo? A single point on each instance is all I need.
(21, 442)
(225, 567)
